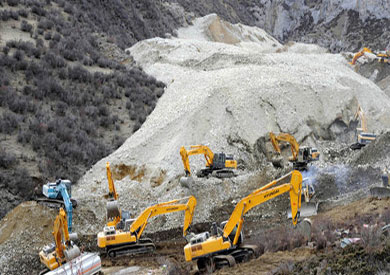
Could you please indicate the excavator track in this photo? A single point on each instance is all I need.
(143, 246)
(44, 271)
(224, 173)
(54, 203)
(243, 253)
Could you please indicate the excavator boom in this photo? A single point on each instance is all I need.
(287, 138)
(163, 208)
(359, 54)
(111, 187)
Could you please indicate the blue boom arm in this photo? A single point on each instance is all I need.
(68, 204)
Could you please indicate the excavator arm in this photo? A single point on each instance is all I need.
(60, 233)
(359, 113)
(287, 138)
(138, 226)
(111, 187)
(196, 150)
(68, 205)
(359, 54)
(259, 196)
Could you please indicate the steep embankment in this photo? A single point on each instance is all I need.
(229, 95)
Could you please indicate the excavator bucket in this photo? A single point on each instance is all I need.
(187, 181)
(381, 191)
(113, 210)
(308, 209)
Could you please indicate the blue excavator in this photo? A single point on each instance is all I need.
(58, 195)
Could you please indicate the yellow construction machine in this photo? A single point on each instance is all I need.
(218, 165)
(225, 247)
(125, 237)
(301, 155)
(363, 137)
(64, 256)
(115, 216)
(359, 54)
(383, 56)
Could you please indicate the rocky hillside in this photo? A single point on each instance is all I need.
(66, 97)
(83, 42)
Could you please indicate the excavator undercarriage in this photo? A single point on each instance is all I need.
(142, 246)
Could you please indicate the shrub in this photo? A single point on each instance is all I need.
(26, 27)
(68, 8)
(18, 55)
(7, 160)
(12, 3)
(23, 13)
(38, 10)
(9, 123)
(47, 36)
(79, 73)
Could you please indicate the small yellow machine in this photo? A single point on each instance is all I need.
(218, 165)
(301, 155)
(124, 237)
(224, 247)
(64, 257)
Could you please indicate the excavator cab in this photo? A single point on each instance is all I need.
(219, 161)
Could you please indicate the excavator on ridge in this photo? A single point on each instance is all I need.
(64, 257)
(218, 165)
(122, 235)
(382, 56)
(225, 247)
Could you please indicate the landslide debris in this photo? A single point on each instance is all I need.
(229, 96)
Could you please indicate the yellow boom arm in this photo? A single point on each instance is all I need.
(138, 226)
(262, 195)
(60, 232)
(359, 113)
(111, 187)
(196, 150)
(359, 54)
(287, 138)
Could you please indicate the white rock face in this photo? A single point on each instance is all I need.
(229, 95)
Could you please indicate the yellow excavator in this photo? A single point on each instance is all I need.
(218, 165)
(383, 56)
(363, 137)
(301, 155)
(225, 247)
(359, 54)
(64, 256)
(124, 238)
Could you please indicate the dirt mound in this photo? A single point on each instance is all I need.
(23, 233)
